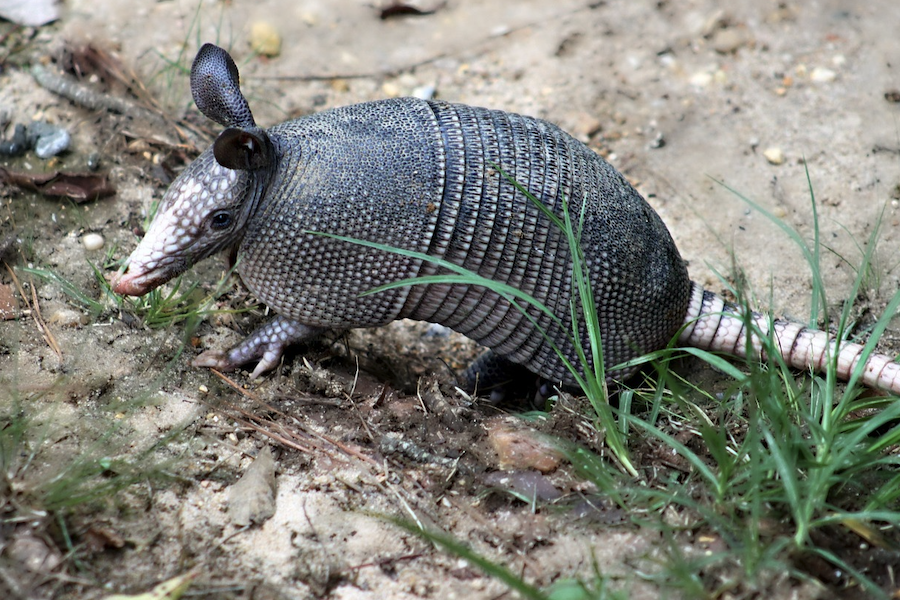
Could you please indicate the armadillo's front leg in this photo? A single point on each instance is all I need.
(266, 344)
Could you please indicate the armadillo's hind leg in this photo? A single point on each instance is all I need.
(266, 344)
(502, 378)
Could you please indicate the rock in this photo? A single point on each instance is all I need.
(15, 145)
(701, 79)
(423, 92)
(390, 89)
(774, 155)
(727, 41)
(264, 39)
(68, 317)
(32, 553)
(46, 139)
(30, 13)
(521, 448)
(92, 241)
(822, 75)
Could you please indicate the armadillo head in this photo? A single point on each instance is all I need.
(201, 213)
(206, 209)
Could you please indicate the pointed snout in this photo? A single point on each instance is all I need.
(129, 284)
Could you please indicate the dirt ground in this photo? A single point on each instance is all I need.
(677, 95)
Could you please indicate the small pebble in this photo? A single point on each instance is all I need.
(67, 317)
(822, 75)
(92, 241)
(423, 92)
(520, 448)
(390, 89)
(500, 30)
(726, 41)
(46, 139)
(50, 145)
(17, 144)
(93, 161)
(436, 330)
(774, 155)
(701, 79)
(264, 39)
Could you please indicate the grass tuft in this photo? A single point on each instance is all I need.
(161, 308)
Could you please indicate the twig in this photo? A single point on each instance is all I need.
(343, 447)
(85, 96)
(35, 309)
(89, 98)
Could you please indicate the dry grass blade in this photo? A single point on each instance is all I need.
(34, 309)
(311, 437)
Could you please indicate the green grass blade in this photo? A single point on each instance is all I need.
(459, 549)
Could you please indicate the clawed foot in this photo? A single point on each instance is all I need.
(267, 345)
(223, 361)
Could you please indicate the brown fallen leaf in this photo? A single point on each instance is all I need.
(78, 187)
(400, 9)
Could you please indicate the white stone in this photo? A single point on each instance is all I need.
(92, 241)
(822, 75)
(774, 155)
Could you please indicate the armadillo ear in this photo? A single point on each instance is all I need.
(215, 85)
(242, 149)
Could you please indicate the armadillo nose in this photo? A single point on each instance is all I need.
(127, 284)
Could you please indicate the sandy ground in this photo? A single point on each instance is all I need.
(678, 95)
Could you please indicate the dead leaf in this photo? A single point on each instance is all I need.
(78, 187)
(252, 498)
(400, 9)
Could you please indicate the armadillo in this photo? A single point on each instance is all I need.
(445, 181)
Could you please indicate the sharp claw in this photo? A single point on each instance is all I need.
(214, 360)
(266, 345)
(268, 361)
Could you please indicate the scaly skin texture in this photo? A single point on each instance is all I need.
(433, 177)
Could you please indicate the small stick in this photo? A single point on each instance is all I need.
(35, 310)
(85, 96)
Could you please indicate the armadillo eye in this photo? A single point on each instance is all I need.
(220, 220)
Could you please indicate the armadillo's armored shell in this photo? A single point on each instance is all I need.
(426, 176)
